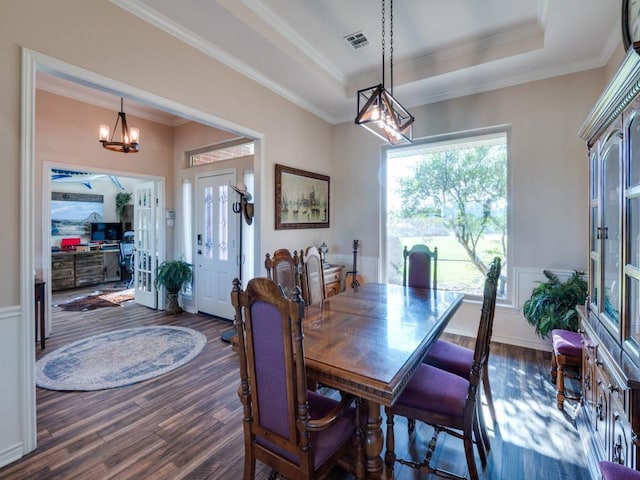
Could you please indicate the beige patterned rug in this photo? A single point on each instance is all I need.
(119, 357)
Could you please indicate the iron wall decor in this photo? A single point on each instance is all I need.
(302, 199)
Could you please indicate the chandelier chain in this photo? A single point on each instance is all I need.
(383, 34)
(378, 110)
(391, 47)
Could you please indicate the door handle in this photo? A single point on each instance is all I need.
(199, 252)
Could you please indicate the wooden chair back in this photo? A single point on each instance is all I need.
(480, 362)
(483, 340)
(487, 313)
(284, 269)
(313, 290)
(278, 413)
(422, 398)
(420, 267)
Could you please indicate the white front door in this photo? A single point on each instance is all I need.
(144, 227)
(216, 248)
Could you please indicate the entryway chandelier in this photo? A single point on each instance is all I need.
(129, 137)
(378, 111)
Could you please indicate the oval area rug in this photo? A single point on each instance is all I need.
(118, 358)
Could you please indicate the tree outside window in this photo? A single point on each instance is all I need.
(451, 195)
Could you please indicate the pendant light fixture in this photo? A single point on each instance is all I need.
(378, 111)
(129, 137)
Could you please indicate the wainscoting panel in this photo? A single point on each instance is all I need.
(11, 408)
(526, 279)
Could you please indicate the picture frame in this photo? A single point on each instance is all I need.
(302, 199)
(72, 214)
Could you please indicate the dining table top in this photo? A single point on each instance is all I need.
(368, 341)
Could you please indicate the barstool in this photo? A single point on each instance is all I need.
(567, 352)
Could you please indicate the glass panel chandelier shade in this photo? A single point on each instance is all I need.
(381, 114)
(378, 111)
(129, 137)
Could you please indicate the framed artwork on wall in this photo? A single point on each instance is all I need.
(302, 199)
(73, 213)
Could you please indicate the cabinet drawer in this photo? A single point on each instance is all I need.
(62, 262)
(89, 279)
(88, 259)
(601, 411)
(63, 283)
(332, 289)
(84, 270)
(333, 280)
(620, 449)
(333, 277)
(62, 273)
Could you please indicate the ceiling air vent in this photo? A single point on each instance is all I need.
(357, 40)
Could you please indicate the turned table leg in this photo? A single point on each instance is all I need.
(374, 441)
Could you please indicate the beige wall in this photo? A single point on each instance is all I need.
(66, 134)
(548, 168)
(99, 37)
(548, 179)
(191, 136)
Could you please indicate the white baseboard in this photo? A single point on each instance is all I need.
(515, 341)
(11, 454)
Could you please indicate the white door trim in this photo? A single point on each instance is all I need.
(32, 61)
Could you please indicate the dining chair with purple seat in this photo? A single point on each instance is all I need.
(298, 433)
(284, 269)
(445, 355)
(446, 401)
(457, 359)
(420, 267)
(312, 276)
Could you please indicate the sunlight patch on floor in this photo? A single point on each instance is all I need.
(546, 431)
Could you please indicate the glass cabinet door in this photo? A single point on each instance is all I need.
(594, 228)
(610, 231)
(632, 226)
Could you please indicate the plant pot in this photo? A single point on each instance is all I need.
(173, 307)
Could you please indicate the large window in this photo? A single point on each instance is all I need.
(451, 195)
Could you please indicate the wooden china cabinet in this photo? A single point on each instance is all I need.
(610, 415)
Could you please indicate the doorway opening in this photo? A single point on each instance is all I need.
(32, 206)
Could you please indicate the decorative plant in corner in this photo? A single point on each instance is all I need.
(122, 199)
(553, 303)
(174, 275)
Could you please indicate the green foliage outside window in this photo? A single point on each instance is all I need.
(453, 197)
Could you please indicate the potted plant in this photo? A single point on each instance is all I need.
(174, 275)
(552, 303)
(122, 199)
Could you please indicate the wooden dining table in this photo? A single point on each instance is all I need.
(368, 341)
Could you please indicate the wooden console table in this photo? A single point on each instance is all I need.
(79, 269)
(333, 279)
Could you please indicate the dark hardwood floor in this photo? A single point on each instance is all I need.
(187, 423)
